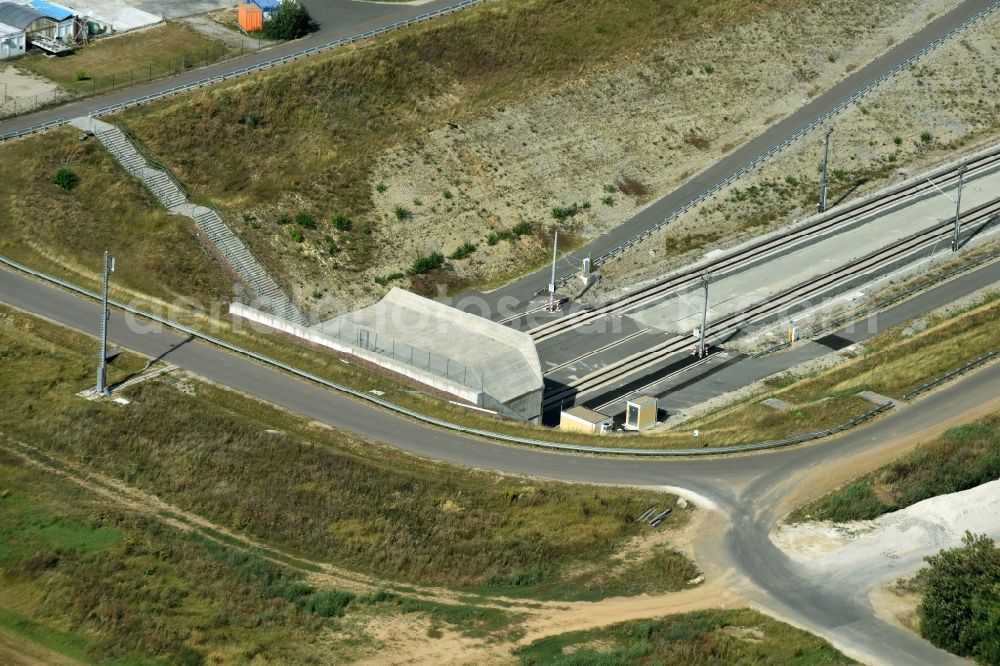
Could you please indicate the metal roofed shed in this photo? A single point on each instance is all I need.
(267, 6)
(26, 18)
(581, 419)
(489, 364)
(54, 12)
(11, 41)
(250, 17)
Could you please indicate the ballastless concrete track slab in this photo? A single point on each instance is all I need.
(742, 487)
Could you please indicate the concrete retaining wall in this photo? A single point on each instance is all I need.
(310, 335)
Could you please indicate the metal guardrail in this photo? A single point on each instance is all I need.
(40, 127)
(812, 124)
(250, 69)
(153, 162)
(948, 375)
(441, 423)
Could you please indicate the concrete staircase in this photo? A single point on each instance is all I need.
(173, 197)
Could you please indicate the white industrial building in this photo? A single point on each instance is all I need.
(463, 355)
(12, 41)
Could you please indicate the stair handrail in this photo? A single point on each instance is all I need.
(246, 246)
(152, 161)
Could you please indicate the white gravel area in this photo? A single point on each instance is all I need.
(871, 552)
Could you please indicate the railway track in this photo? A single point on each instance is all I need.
(689, 278)
(733, 323)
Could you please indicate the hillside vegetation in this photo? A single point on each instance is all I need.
(65, 231)
(962, 458)
(412, 136)
(692, 639)
(334, 497)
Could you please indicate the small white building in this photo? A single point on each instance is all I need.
(12, 41)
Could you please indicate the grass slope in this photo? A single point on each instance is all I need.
(334, 497)
(307, 135)
(65, 232)
(704, 637)
(101, 584)
(962, 458)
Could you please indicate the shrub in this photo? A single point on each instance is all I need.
(565, 212)
(389, 278)
(283, 218)
(328, 603)
(464, 250)
(66, 179)
(81, 75)
(447, 194)
(425, 264)
(926, 137)
(608, 200)
(380, 596)
(522, 228)
(708, 69)
(961, 598)
(381, 187)
(792, 181)
(305, 220)
(610, 189)
(832, 57)
(331, 247)
(417, 201)
(898, 140)
(341, 222)
(402, 213)
(289, 21)
(296, 234)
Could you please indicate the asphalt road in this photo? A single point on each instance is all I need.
(336, 19)
(746, 489)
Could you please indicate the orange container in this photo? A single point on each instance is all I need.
(251, 17)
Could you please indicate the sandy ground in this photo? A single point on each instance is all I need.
(214, 26)
(24, 91)
(879, 139)
(659, 118)
(873, 552)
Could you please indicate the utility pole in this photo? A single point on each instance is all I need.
(958, 207)
(553, 304)
(102, 385)
(704, 318)
(823, 182)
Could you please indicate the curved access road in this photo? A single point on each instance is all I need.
(750, 492)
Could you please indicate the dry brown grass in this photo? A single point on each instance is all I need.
(65, 233)
(136, 57)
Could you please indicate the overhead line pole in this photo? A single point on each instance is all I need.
(823, 187)
(102, 362)
(958, 207)
(704, 318)
(552, 306)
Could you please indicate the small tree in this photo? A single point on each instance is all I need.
(66, 179)
(961, 591)
(289, 21)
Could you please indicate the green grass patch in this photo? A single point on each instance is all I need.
(335, 496)
(963, 457)
(26, 528)
(704, 637)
